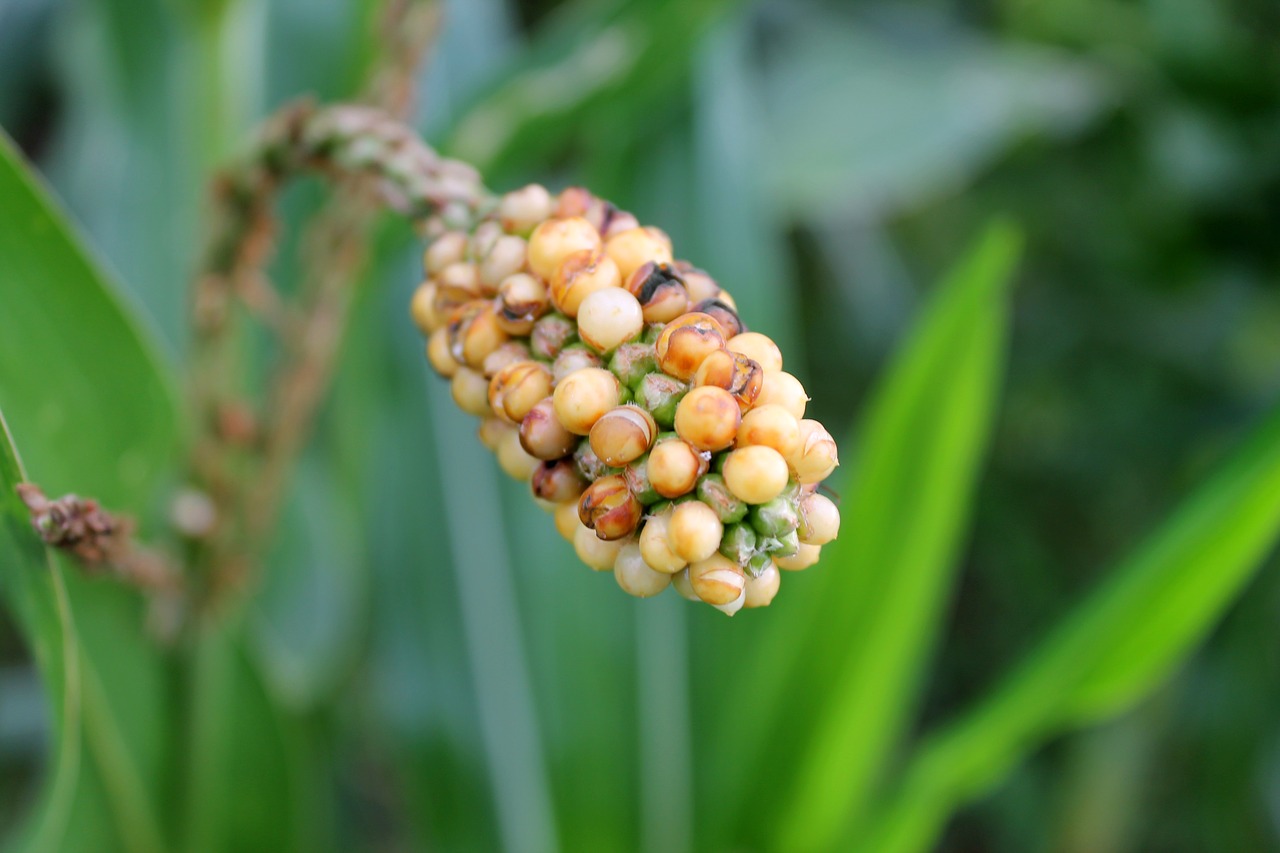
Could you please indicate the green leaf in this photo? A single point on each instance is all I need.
(87, 399)
(93, 409)
(1111, 650)
(889, 574)
(32, 586)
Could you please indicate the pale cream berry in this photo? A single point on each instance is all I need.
(513, 459)
(759, 348)
(802, 559)
(655, 545)
(597, 553)
(782, 389)
(708, 418)
(673, 467)
(694, 531)
(491, 431)
(422, 307)
(580, 275)
(770, 425)
(583, 397)
(566, 519)
(517, 388)
(556, 239)
(623, 435)
(471, 391)
(763, 587)
(717, 580)
(438, 353)
(755, 474)
(505, 258)
(461, 276)
(448, 248)
(542, 434)
(635, 247)
(608, 318)
(819, 519)
(733, 606)
(634, 575)
(681, 584)
(522, 209)
(815, 456)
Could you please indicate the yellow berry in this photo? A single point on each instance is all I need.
(782, 389)
(815, 456)
(542, 434)
(763, 587)
(733, 372)
(555, 239)
(580, 275)
(708, 418)
(635, 247)
(471, 391)
(802, 559)
(770, 425)
(623, 435)
(655, 545)
(755, 474)
(517, 388)
(635, 576)
(583, 397)
(597, 553)
(680, 582)
(518, 464)
(439, 355)
(448, 248)
(819, 519)
(759, 348)
(673, 467)
(566, 518)
(694, 531)
(608, 507)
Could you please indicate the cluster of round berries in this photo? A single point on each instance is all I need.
(621, 384)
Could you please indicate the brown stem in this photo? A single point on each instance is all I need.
(244, 454)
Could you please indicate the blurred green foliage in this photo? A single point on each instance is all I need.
(408, 680)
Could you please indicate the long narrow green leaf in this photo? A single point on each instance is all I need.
(92, 408)
(1112, 650)
(891, 570)
(31, 584)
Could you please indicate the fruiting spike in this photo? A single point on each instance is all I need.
(572, 331)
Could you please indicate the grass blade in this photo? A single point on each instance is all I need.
(925, 434)
(1113, 649)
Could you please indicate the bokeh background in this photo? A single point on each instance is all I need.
(435, 645)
